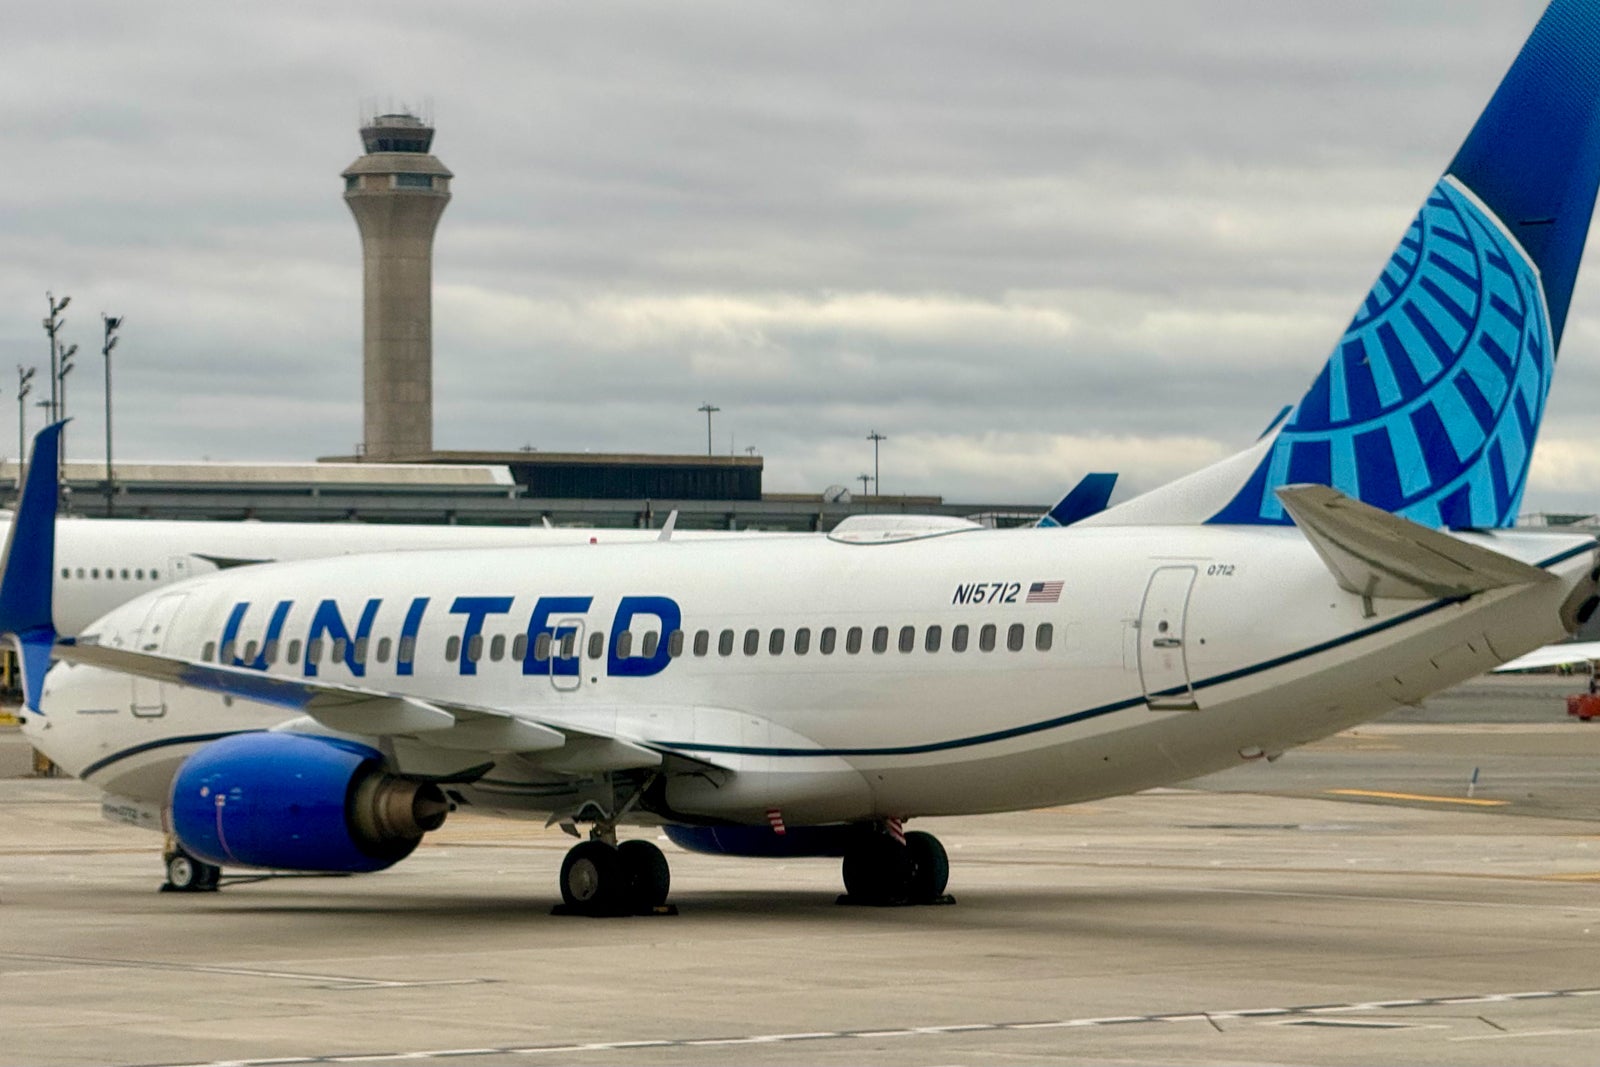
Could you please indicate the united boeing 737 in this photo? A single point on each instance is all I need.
(809, 696)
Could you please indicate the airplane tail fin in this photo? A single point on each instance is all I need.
(1087, 498)
(27, 584)
(1430, 403)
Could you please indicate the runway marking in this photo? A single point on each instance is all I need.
(1576, 876)
(334, 981)
(1381, 795)
(1278, 1016)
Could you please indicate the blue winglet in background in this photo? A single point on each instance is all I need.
(1088, 497)
(27, 586)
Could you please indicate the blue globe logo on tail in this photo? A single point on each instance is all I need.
(1430, 404)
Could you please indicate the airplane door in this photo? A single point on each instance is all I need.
(1163, 665)
(149, 701)
(566, 654)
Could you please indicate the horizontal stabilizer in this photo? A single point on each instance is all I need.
(1374, 553)
(1568, 655)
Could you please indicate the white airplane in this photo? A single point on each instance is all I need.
(101, 563)
(807, 696)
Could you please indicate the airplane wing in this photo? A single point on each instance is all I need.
(1553, 656)
(1375, 553)
(548, 744)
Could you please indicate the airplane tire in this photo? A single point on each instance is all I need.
(930, 867)
(592, 878)
(648, 876)
(878, 870)
(185, 874)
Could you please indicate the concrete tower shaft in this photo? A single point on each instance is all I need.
(397, 191)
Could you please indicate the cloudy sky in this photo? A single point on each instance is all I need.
(1024, 240)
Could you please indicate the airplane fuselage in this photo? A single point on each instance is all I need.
(979, 671)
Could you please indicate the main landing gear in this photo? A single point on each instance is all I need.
(601, 877)
(186, 874)
(884, 869)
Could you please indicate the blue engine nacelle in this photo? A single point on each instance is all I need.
(764, 840)
(300, 803)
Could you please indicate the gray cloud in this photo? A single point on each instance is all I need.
(1023, 241)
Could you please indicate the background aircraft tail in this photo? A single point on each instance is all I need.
(27, 585)
(1430, 403)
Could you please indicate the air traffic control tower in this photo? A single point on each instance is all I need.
(397, 191)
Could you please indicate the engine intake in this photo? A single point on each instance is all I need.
(299, 802)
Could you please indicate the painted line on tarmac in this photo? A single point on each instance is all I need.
(1276, 1015)
(332, 981)
(1379, 794)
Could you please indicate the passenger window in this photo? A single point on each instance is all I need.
(752, 642)
(249, 651)
(155, 576)
(293, 655)
(80, 572)
(139, 574)
(269, 652)
(569, 645)
(931, 641)
(597, 645)
(852, 640)
(775, 643)
(880, 639)
(958, 638)
(651, 642)
(227, 652)
(802, 641)
(1015, 635)
(1044, 637)
(908, 638)
(66, 572)
(361, 651)
(209, 651)
(314, 650)
(497, 647)
(725, 643)
(124, 574)
(94, 573)
(702, 642)
(519, 648)
(408, 648)
(452, 649)
(541, 647)
(675, 644)
(624, 644)
(986, 637)
(383, 650)
(474, 649)
(826, 640)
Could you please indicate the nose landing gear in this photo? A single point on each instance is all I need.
(186, 874)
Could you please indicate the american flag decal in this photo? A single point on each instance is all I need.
(1044, 593)
(775, 819)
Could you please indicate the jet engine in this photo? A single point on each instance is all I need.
(299, 802)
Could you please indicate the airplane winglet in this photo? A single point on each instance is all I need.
(1087, 498)
(1377, 554)
(27, 585)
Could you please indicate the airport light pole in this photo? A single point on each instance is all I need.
(864, 478)
(52, 325)
(24, 387)
(708, 407)
(63, 370)
(111, 325)
(876, 438)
